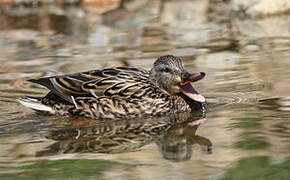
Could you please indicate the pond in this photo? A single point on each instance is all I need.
(245, 133)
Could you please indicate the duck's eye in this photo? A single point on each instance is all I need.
(167, 70)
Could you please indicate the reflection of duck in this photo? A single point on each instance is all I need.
(130, 135)
(121, 92)
(176, 143)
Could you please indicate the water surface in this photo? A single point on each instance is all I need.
(244, 135)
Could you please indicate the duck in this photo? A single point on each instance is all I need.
(121, 92)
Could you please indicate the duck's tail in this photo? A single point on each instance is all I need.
(35, 104)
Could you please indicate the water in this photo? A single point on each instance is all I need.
(245, 134)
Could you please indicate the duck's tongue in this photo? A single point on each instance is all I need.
(189, 91)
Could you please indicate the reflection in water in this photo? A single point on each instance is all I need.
(279, 104)
(176, 144)
(174, 135)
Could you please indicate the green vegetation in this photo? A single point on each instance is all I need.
(251, 142)
(250, 138)
(246, 123)
(76, 169)
(258, 168)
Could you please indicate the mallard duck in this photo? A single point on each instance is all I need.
(121, 92)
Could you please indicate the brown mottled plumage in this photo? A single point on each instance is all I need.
(121, 92)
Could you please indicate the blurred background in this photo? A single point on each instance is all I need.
(242, 45)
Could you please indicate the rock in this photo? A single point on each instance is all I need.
(260, 7)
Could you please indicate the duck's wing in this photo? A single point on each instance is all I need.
(118, 81)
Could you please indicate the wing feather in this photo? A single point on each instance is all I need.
(119, 81)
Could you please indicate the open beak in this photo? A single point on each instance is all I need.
(188, 90)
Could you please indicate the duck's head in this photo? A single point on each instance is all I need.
(169, 74)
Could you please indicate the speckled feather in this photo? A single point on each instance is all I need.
(120, 92)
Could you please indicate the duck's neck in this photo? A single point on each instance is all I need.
(179, 103)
